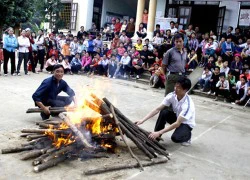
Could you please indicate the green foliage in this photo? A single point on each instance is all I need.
(14, 12)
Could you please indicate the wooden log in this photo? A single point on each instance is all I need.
(42, 131)
(124, 139)
(75, 130)
(25, 135)
(50, 163)
(103, 106)
(35, 141)
(40, 159)
(52, 110)
(48, 126)
(123, 166)
(16, 149)
(35, 136)
(34, 153)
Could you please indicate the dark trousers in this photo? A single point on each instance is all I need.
(112, 69)
(50, 68)
(76, 68)
(102, 70)
(9, 55)
(60, 101)
(40, 56)
(223, 92)
(136, 71)
(141, 35)
(181, 134)
(21, 57)
(124, 69)
(32, 62)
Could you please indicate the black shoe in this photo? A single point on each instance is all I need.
(44, 116)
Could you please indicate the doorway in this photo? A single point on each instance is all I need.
(205, 16)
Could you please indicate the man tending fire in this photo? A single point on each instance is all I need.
(182, 118)
(47, 93)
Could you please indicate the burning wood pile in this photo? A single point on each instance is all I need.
(76, 135)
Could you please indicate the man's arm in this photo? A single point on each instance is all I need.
(175, 125)
(151, 114)
(44, 108)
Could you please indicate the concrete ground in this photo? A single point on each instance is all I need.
(220, 141)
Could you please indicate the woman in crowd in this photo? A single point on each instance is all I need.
(137, 66)
(86, 61)
(41, 49)
(142, 32)
(76, 64)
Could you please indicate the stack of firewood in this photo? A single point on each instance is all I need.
(46, 151)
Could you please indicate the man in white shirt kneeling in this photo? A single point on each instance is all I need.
(182, 118)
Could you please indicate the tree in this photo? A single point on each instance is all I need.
(14, 12)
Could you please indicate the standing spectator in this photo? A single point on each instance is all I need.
(73, 47)
(229, 34)
(118, 26)
(81, 33)
(145, 18)
(236, 66)
(130, 30)
(112, 66)
(86, 61)
(198, 34)
(98, 43)
(41, 49)
(52, 42)
(176, 25)
(142, 32)
(32, 42)
(76, 64)
(50, 63)
(125, 64)
(205, 78)
(24, 44)
(227, 50)
(10, 45)
(222, 87)
(214, 79)
(189, 30)
(66, 49)
(124, 26)
(91, 45)
(193, 42)
(175, 61)
(173, 29)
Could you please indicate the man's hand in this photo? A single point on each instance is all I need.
(221, 88)
(139, 122)
(154, 135)
(46, 110)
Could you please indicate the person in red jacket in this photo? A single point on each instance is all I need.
(118, 26)
(54, 52)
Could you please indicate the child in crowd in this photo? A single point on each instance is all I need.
(60, 59)
(210, 63)
(145, 18)
(231, 80)
(112, 65)
(219, 62)
(50, 63)
(86, 61)
(125, 65)
(222, 87)
(121, 51)
(66, 48)
(205, 78)
(236, 66)
(210, 47)
(116, 41)
(76, 64)
(240, 91)
(94, 64)
(138, 45)
(192, 60)
(66, 66)
(54, 51)
(124, 26)
(225, 69)
(103, 66)
(157, 78)
(137, 66)
(105, 49)
(214, 79)
(142, 31)
(157, 40)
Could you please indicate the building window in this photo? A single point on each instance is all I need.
(65, 15)
(73, 16)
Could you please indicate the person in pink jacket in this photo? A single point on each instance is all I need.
(86, 61)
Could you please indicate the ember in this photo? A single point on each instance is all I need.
(84, 132)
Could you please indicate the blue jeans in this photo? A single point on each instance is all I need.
(204, 83)
(210, 52)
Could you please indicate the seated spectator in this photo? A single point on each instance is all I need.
(111, 51)
(219, 62)
(204, 81)
(130, 29)
(210, 47)
(214, 79)
(50, 63)
(66, 66)
(86, 61)
(98, 43)
(157, 78)
(227, 50)
(133, 53)
(54, 52)
(112, 66)
(107, 33)
(231, 80)
(60, 59)
(125, 65)
(120, 51)
(127, 43)
(192, 60)
(124, 26)
(193, 42)
(210, 63)
(147, 57)
(81, 46)
(150, 46)
(168, 35)
(239, 46)
(142, 32)
(76, 64)
(137, 66)
(123, 37)
(158, 62)
(236, 66)
(102, 67)
(138, 45)
(116, 41)
(118, 26)
(105, 49)
(94, 64)
(157, 29)
(222, 88)
(224, 69)
(99, 51)
(219, 48)
(157, 40)
(240, 91)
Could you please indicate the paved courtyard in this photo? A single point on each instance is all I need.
(220, 141)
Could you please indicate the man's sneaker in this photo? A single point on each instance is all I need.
(27, 73)
(209, 92)
(188, 143)
(19, 74)
(14, 74)
(216, 99)
(137, 77)
(110, 76)
(5, 74)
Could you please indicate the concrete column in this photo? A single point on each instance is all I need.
(151, 19)
(139, 13)
(84, 14)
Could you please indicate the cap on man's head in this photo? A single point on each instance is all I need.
(27, 29)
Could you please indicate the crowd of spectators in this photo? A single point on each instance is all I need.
(112, 53)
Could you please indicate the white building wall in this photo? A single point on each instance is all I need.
(84, 14)
(231, 14)
(118, 7)
(160, 8)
